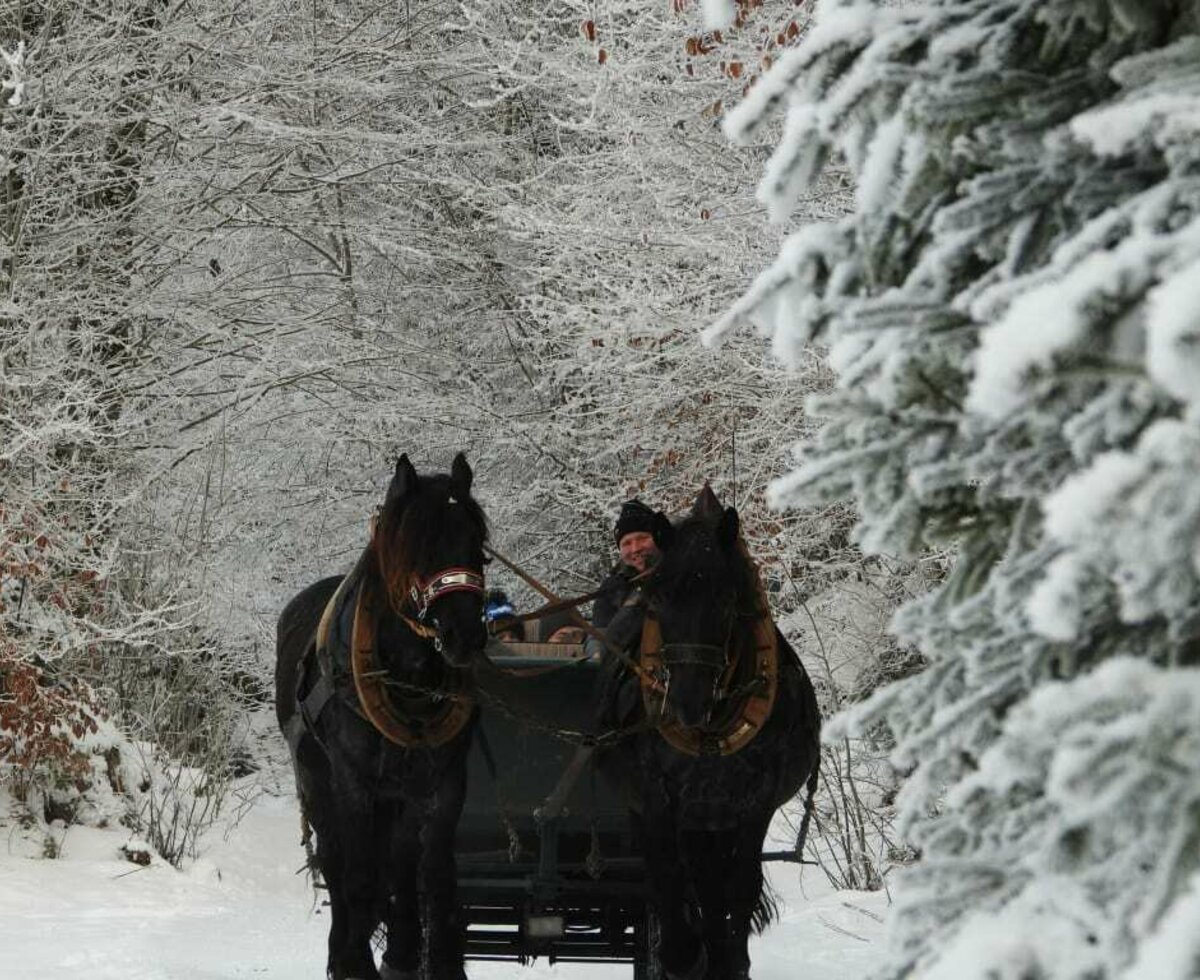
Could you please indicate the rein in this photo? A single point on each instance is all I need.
(550, 608)
(647, 680)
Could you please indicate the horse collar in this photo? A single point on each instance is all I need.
(750, 715)
(375, 701)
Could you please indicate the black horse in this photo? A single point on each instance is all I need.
(737, 736)
(371, 695)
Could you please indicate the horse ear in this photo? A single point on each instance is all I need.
(461, 476)
(707, 505)
(662, 530)
(404, 480)
(729, 529)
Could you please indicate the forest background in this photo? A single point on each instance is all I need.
(252, 252)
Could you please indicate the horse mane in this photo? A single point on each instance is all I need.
(411, 528)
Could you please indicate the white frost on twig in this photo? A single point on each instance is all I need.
(15, 82)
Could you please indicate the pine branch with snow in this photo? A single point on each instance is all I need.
(1011, 313)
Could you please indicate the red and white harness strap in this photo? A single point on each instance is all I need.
(457, 579)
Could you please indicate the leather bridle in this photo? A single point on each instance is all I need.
(422, 594)
(710, 656)
(748, 705)
(448, 580)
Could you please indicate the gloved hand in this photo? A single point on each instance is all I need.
(624, 629)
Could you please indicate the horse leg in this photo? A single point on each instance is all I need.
(710, 859)
(329, 861)
(314, 787)
(438, 880)
(358, 869)
(402, 959)
(682, 949)
(746, 893)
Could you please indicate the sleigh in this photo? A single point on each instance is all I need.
(547, 866)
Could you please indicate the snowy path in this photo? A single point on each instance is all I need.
(242, 912)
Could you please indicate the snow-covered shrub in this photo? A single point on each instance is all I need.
(175, 803)
(1012, 314)
(81, 248)
(63, 759)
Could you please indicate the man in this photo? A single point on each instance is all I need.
(619, 609)
(634, 534)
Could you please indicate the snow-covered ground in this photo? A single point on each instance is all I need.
(242, 911)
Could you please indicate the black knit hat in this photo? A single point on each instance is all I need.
(635, 516)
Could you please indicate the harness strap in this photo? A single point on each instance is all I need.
(308, 710)
(698, 654)
(334, 604)
(456, 579)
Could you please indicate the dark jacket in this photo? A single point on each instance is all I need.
(619, 611)
(614, 590)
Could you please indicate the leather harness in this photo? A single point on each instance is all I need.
(750, 715)
(755, 698)
(451, 708)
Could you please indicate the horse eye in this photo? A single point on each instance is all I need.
(485, 561)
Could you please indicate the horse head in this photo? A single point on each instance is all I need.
(702, 594)
(428, 547)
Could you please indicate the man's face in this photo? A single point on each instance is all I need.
(638, 550)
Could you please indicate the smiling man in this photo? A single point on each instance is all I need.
(634, 535)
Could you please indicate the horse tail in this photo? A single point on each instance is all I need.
(766, 908)
(306, 839)
(813, 778)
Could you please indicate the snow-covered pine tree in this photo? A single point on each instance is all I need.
(1013, 314)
